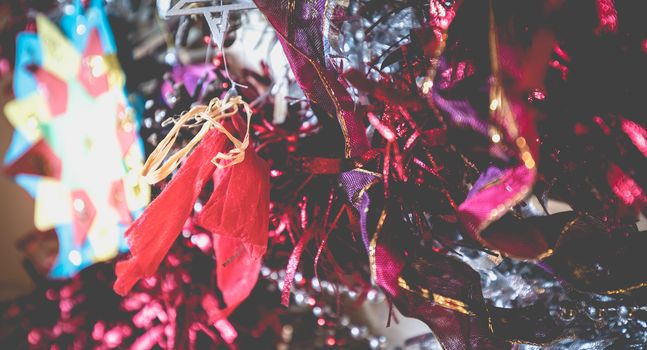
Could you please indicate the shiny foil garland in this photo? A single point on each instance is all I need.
(501, 130)
(394, 213)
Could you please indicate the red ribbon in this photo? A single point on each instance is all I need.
(291, 269)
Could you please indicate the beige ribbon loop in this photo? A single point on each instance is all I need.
(207, 117)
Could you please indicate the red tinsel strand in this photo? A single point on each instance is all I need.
(293, 263)
(636, 133)
(625, 187)
(386, 166)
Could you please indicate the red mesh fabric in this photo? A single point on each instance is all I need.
(237, 214)
(239, 205)
(235, 279)
(152, 234)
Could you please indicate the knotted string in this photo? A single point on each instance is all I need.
(155, 170)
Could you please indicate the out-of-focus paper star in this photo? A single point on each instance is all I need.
(75, 147)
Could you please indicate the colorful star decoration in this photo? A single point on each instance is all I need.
(75, 147)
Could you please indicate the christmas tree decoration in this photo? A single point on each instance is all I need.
(235, 212)
(478, 166)
(75, 147)
(495, 153)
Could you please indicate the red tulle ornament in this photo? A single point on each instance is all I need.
(237, 215)
(152, 234)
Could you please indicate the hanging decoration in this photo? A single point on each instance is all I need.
(236, 212)
(469, 163)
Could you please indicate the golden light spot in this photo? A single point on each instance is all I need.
(137, 190)
(526, 156)
(126, 120)
(127, 127)
(521, 142)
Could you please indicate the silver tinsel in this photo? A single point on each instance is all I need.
(362, 42)
(590, 321)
